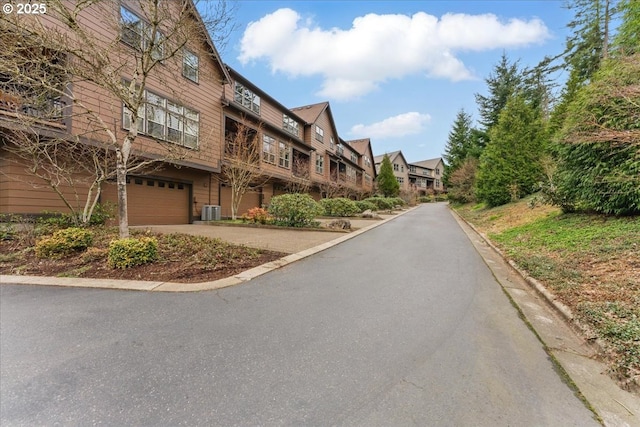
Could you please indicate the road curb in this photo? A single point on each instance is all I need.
(139, 285)
(549, 297)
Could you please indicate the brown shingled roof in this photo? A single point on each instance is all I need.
(310, 113)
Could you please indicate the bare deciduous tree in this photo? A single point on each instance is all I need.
(300, 182)
(241, 165)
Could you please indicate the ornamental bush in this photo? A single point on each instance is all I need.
(294, 210)
(129, 252)
(64, 242)
(364, 205)
(381, 203)
(339, 206)
(257, 215)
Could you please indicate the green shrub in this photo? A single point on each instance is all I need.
(339, 206)
(294, 210)
(64, 242)
(125, 253)
(102, 213)
(364, 205)
(382, 203)
(425, 199)
(398, 201)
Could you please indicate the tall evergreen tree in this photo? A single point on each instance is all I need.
(387, 182)
(458, 144)
(502, 83)
(627, 41)
(510, 164)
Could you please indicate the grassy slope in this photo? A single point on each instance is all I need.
(591, 262)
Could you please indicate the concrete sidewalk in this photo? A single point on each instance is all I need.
(298, 244)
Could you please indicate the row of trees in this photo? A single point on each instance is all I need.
(581, 148)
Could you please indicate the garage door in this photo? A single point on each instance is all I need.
(154, 201)
(251, 199)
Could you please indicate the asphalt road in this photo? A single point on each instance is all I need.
(403, 325)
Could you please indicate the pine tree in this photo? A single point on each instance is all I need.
(510, 164)
(458, 145)
(387, 182)
(627, 41)
(503, 82)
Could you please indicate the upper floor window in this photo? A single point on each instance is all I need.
(437, 171)
(367, 161)
(354, 157)
(166, 120)
(340, 149)
(247, 98)
(190, 65)
(268, 149)
(412, 168)
(290, 125)
(285, 155)
(319, 133)
(332, 143)
(396, 167)
(401, 168)
(139, 34)
(400, 179)
(319, 163)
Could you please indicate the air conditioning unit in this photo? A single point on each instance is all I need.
(210, 213)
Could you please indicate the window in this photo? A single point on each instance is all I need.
(332, 143)
(319, 163)
(400, 179)
(396, 167)
(367, 161)
(290, 125)
(412, 169)
(138, 34)
(285, 154)
(319, 134)
(354, 157)
(247, 98)
(401, 168)
(437, 183)
(166, 120)
(190, 65)
(367, 177)
(268, 149)
(340, 150)
(437, 171)
(351, 173)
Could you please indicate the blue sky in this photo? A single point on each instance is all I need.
(394, 71)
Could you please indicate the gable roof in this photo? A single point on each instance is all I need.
(310, 113)
(360, 145)
(430, 163)
(392, 156)
(214, 52)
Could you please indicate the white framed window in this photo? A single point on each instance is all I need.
(351, 174)
(332, 143)
(139, 34)
(190, 65)
(396, 167)
(319, 163)
(268, 149)
(354, 157)
(165, 120)
(246, 98)
(400, 179)
(284, 152)
(290, 125)
(319, 134)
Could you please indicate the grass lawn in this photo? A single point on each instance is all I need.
(591, 262)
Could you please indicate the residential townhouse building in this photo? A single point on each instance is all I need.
(427, 175)
(195, 103)
(181, 107)
(400, 168)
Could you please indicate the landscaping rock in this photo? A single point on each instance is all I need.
(340, 224)
(370, 214)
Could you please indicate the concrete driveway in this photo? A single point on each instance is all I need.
(279, 240)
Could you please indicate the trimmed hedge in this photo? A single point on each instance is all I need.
(364, 205)
(125, 253)
(64, 242)
(294, 210)
(339, 206)
(385, 203)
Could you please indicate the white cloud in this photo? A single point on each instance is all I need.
(397, 126)
(377, 48)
